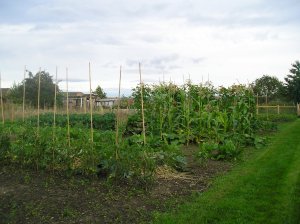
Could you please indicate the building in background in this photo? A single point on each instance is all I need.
(78, 100)
(108, 102)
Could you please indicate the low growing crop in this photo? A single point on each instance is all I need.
(100, 122)
(24, 146)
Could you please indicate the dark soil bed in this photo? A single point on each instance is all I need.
(28, 196)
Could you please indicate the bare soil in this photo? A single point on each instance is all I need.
(28, 196)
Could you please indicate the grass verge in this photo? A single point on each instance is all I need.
(265, 189)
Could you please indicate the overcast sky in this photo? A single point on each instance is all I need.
(228, 41)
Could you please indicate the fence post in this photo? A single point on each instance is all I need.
(278, 112)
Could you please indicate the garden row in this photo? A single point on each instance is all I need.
(24, 146)
(103, 122)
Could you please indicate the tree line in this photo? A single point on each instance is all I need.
(270, 86)
(274, 89)
(47, 87)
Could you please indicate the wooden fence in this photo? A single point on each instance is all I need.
(279, 108)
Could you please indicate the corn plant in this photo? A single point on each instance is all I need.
(199, 113)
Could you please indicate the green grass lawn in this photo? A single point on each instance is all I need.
(265, 189)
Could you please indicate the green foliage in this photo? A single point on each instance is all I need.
(293, 83)
(100, 122)
(125, 102)
(100, 92)
(134, 124)
(277, 117)
(4, 143)
(31, 94)
(195, 114)
(268, 86)
(218, 151)
(21, 144)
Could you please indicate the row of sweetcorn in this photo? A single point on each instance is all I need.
(219, 120)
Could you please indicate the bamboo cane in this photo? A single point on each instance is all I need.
(54, 109)
(39, 93)
(199, 112)
(118, 109)
(1, 99)
(188, 112)
(257, 103)
(267, 105)
(68, 117)
(91, 104)
(54, 117)
(23, 115)
(91, 112)
(142, 104)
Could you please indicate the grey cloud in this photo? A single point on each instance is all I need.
(145, 71)
(156, 63)
(173, 67)
(217, 13)
(110, 40)
(237, 13)
(77, 80)
(112, 92)
(198, 60)
(131, 63)
(264, 36)
(46, 27)
(162, 62)
(148, 38)
(110, 64)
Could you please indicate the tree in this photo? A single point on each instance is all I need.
(31, 84)
(268, 86)
(293, 83)
(100, 93)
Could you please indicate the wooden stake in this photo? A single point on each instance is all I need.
(54, 109)
(91, 104)
(54, 118)
(68, 117)
(1, 99)
(267, 105)
(24, 81)
(257, 103)
(142, 104)
(118, 109)
(39, 93)
(91, 111)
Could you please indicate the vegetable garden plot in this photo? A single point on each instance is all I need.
(220, 121)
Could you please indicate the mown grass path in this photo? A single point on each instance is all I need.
(265, 189)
